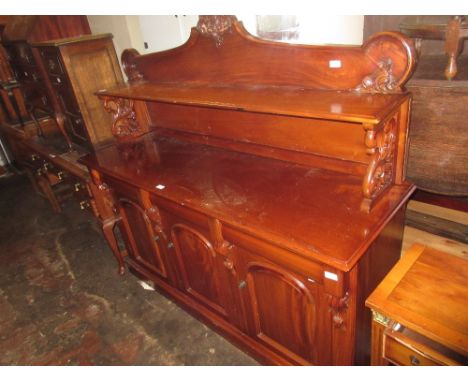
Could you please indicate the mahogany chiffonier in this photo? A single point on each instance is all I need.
(261, 185)
(420, 311)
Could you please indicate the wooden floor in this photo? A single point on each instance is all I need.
(413, 235)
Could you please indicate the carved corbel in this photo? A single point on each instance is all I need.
(381, 145)
(381, 80)
(124, 124)
(215, 27)
(338, 307)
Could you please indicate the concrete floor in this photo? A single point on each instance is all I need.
(63, 303)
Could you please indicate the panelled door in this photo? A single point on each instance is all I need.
(143, 235)
(283, 309)
(202, 273)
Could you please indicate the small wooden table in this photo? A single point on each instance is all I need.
(420, 311)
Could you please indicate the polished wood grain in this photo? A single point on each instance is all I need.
(275, 193)
(255, 194)
(412, 294)
(295, 102)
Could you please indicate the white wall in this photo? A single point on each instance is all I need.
(165, 32)
(162, 32)
(126, 31)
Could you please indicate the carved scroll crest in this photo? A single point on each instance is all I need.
(338, 307)
(215, 27)
(129, 65)
(381, 80)
(124, 123)
(381, 145)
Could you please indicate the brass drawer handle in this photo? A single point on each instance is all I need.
(78, 187)
(84, 204)
(414, 360)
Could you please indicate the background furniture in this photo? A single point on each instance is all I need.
(77, 68)
(63, 73)
(453, 30)
(261, 185)
(438, 138)
(420, 311)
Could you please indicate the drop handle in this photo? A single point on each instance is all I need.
(414, 360)
(170, 245)
(242, 284)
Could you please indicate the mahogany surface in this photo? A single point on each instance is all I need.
(283, 202)
(261, 185)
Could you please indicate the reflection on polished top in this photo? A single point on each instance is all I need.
(264, 196)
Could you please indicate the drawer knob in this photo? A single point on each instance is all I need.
(170, 245)
(414, 360)
(242, 284)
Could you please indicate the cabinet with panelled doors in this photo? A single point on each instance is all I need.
(261, 185)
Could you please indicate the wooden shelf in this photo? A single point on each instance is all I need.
(346, 106)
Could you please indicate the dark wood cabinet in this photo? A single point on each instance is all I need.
(261, 185)
(76, 69)
(28, 73)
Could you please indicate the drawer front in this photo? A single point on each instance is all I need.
(401, 354)
(52, 61)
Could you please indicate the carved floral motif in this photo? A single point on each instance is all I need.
(381, 144)
(124, 118)
(215, 27)
(338, 307)
(381, 80)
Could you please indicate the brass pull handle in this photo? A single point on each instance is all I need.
(34, 157)
(84, 204)
(77, 187)
(170, 245)
(414, 360)
(156, 238)
(46, 167)
(60, 175)
(242, 284)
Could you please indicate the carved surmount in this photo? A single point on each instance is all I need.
(215, 27)
(381, 145)
(124, 123)
(381, 80)
(338, 307)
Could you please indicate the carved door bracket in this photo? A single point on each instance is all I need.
(338, 307)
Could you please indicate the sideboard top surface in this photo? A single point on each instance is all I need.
(312, 211)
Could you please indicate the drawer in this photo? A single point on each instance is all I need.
(52, 62)
(404, 352)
